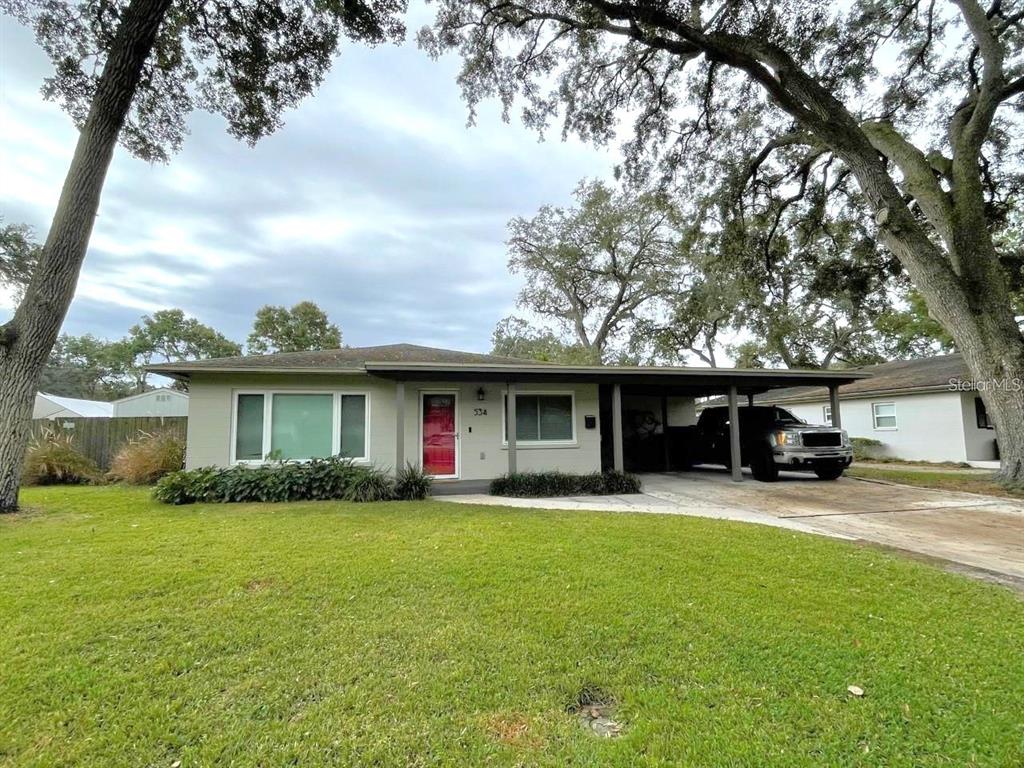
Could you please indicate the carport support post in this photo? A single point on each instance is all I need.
(833, 397)
(510, 428)
(618, 460)
(734, 434)
(399, 426)
(664, 433)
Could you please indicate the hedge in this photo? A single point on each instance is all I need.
(537, 484)
(315, 480)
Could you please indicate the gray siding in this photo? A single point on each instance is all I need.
(481, 453)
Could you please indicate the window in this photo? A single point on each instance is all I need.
(981, 415)
(353, 427)
(827, 413)
(301, 426)
(884, 415)
(543, 418)
(297, 426)
(249, 428)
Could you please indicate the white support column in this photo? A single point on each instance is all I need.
(618, 458)
(734, 435)
(510, 428)
(833, 396)
(399, 426)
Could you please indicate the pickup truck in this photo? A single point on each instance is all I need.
(771, 438)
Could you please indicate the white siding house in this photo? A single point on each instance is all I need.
(916, 409)
(156, 402)
(55, 407)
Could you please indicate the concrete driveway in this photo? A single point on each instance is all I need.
(983, 534)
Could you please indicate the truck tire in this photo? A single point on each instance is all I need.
(763, 466)
(828, 473)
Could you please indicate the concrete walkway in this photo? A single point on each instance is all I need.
(981, 533)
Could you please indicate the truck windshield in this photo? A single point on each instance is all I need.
(783, 416)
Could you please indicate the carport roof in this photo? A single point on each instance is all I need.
(410, 362)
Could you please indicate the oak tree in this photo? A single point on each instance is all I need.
(911, 109)
(593, 268)
(302, 328)
(131, 71)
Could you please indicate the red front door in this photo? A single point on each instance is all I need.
(439, 435)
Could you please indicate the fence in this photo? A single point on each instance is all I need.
(100, 439)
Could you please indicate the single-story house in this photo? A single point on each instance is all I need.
(156, 402)
(446, 411)
(920, 410)
(55, 407)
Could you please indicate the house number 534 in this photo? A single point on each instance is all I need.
(479, 411)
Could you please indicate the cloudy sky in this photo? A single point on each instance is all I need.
(375, 201)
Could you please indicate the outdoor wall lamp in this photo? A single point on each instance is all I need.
(481, 395)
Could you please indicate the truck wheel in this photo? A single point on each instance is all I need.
(763, 467)
(828, 473)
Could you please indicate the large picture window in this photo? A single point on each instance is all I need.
(297, 426)
(543, 418)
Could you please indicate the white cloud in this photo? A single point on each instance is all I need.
(374, 200)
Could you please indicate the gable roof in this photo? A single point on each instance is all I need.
(158, 391)
(927, 374)
(84, 408)
(347, 359)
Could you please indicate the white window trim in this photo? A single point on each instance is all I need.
(268, 398)
(826, 414)
(571, 443)
(874, 417)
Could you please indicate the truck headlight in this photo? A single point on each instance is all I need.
(846, 439)
(786, 438)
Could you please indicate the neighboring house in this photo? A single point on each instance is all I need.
(55, 407)
(921, 410)
(155, 402)
(444, 410)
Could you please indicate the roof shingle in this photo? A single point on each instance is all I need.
(346, 359)
(923, 374)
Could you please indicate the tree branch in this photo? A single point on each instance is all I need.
(918, 175)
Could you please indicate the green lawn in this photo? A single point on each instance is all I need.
(415, 634)
(940, 479)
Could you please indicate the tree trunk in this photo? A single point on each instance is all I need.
(993, 349)
(26, 341)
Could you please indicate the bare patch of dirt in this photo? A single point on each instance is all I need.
(514, 729)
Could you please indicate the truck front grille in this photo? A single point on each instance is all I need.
(822, 439)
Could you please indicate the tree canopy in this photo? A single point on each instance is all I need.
(19, 253)
(302, 328)
(246, 61)
(594, 268)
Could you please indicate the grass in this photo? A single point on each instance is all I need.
(944, 480)
(426, 633)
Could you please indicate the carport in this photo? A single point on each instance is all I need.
(662, 383)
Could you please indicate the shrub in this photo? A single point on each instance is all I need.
(865, 448)
(53, 459)
(316, 480)
(535, 484)
(148, 458)
(412, 484)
